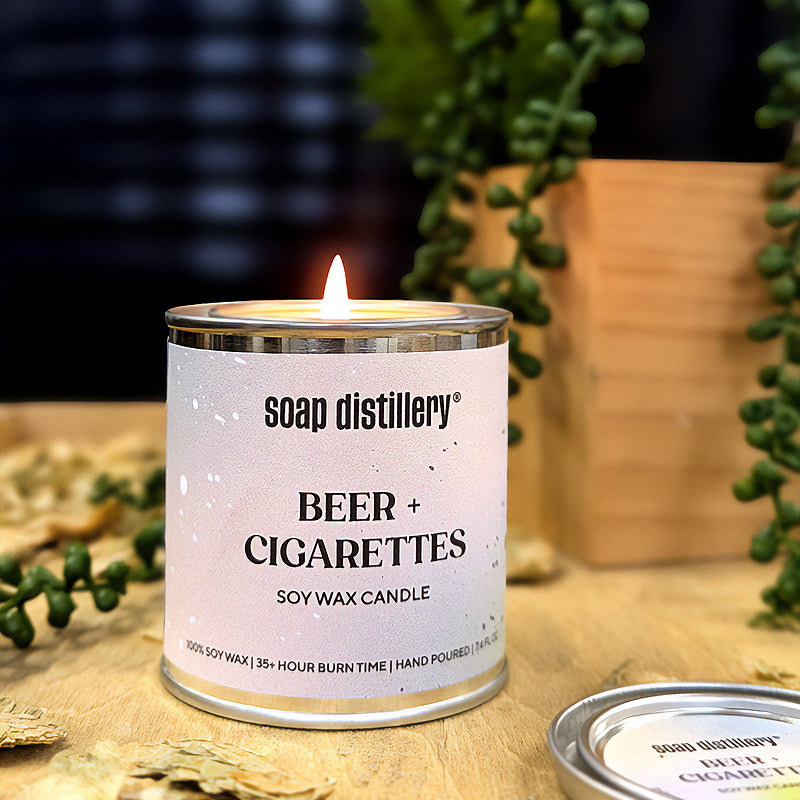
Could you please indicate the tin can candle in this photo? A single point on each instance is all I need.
(336, 493)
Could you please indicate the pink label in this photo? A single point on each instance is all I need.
(336, 522)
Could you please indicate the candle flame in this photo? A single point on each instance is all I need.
(335, 300)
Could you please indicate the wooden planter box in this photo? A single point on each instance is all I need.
(632, 435)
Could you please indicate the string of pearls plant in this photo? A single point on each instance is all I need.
(773, 420)
(487, 119)
(77, 575)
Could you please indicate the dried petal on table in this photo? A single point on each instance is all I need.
(21, 725)
(528, 558)
(628, 673)
(45, 486)
(218, 770)
(94, 776)
(778, 676)
(191, 770)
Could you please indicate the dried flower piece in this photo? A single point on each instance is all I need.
(192, 770)
(97, 775)
(528, 559)
(222, 770)
(772, 674)
(627, 674)
(21, 724)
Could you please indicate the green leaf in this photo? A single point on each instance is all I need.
(10, 571)
(746, 490)
(562, 168)
(764, 545)
(116, 574)
(755, 411)
(527, 364)
(774, 260)
(790, 384)
(426, 167)
(546, 254)
(16, 624)
(628, 49)
(788, 585)
(29, 587)
(783, 289)
(633, 13)
(768, 376)
(770, 116)
(790, 512)
(525, 286)
(410, 40)
(764, 329)
(514, 434)
(531, 74)
(781, 214)
(105, 598)
(479, 278)
(43, 576)
(767, 474)
(759, 437)
(792, 340)
(60, 607)
(500, 196)
(786, 421)
(783, 186)
(77, 564)
(148, 540)
(581, 122)
(777, 58)
(433, 215)
(525, 225)
(562, 55)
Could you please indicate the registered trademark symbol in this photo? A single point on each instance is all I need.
(456, 397)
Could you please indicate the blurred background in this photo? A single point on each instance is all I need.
(157, 154)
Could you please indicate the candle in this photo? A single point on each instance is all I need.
(336, 490)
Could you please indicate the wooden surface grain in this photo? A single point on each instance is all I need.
(99, 678)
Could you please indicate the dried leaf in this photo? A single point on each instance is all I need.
(216, 769)
(772, 674)
(44, 490)
(20, 724)
(528, 559)
(191, 770)
(628, 674)
(94, 776)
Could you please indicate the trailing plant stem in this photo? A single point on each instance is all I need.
(568, 98)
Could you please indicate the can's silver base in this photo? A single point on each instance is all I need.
(283, 718)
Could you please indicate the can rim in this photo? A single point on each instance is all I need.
(241, 316)
(582, 775)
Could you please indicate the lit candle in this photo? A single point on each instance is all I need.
(336, 490)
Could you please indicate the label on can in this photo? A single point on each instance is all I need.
(336, 522)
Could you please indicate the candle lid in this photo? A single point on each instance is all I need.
(686, 741)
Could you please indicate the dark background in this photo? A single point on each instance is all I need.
(155, 154)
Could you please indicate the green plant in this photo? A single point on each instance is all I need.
(18, 589)
(152, 493)
(503, 84)
(773, 421)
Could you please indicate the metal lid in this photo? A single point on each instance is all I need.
(684, 740)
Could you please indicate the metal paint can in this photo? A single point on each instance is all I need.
(686, 741)
(336, 495)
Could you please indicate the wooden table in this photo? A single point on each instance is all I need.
(99, 677)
